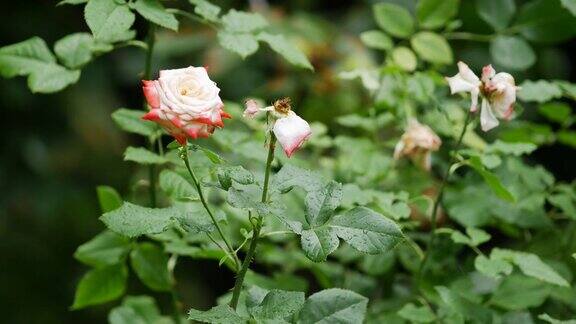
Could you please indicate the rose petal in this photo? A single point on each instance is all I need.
(291, 132)
(487, 118)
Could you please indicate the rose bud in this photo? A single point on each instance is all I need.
(290, 130)
(185, 102)
(417, 142)
(498, 92)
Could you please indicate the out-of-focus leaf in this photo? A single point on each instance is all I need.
(394, 19)
(497, 13)
(242, 44)
(106, 248)
(143, 156)
(404, 58)
(539, 91)
(175, 186)
(493, 268)
(108, 198)
(518, 292)
(531, 265)
(545, 21)
(463, 306)
(334, 305)
(475, 236)
(130, 120)
(512, 52)
(556, 111)
(491, 180)
(206, 10)
(151, 265)
(243, 22)
(75, 50)
(286, 49)
(100, 285)
(109, 20)
(376, 39)
(154, 11)
(546, 317)
(516, 149)
(434, 14)
(136, 310)
(432, 47)
(417, 314)
(567, 138)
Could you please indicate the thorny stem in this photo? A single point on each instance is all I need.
(184, 157)
(150, 40)
(256, 227)
(441, 193)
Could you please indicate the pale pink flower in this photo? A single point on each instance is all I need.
(498, 92)
(290, 130)
(185, 102)
(417, 143)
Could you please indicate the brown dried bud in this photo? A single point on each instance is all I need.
(283, 105)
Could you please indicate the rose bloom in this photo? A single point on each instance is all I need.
(185, 102)
(290, 130)
(498, 92)
(418, 142)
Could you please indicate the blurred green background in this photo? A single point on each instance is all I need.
(55, 149)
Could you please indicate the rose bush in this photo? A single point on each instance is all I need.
(338, 227)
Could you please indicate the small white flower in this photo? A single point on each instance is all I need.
(498, 92)
(418, 142)
(290, 130)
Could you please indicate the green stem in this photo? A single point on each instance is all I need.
(184, 157)
(150, 40)
(174, 295)
(256, 227)
(441, 193)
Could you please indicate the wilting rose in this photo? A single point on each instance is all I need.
(290, 130)
(185, 102)
(417, 142)
(498, 92)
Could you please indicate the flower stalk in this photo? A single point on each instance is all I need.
(229, 249)
(256, 227)
(438, 199)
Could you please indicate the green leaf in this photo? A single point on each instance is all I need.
(143, 156)
(279, 304)
(133, 220)
(531, 265)
(32, 57)
(106, 248)
(518, 292)
(463, 306)
(211, 155)
(493, 268)
(320, 205)
(556, 111)
(366, 230)
(394, 19)
(241, 44)
(131, 121)
(539, 91)
(175, 185)
(71, 2)
(290, 176)
(334, 306)
(432, 47)
(206, 10)
(512, 52)
(377, 39)
(108, 198)
(318, 243)
(497, 13)
(475, 236)
(75, 50)
(436, 13)
(567, 138)
(223, 314)
(516, 149)
(545, 21)
(151, 265)
(404, 58)
(226, 174)
(136, 310)
(280, 45)
(109, 20)
(101, 285)
(415, 314)
(568, 88)
(154, 11)
(243, 22)
(546, 317)
(491, 180)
